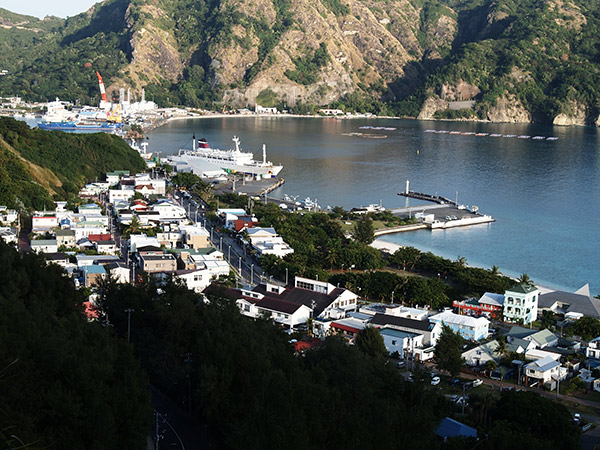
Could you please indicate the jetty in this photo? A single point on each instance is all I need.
(443, 214)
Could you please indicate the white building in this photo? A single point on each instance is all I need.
(521, 304)
(470, 328)
(169, 210)
(394, 310)
(478, 356)
(544, 370)
(42, 222)
(8, 216)
(120, 194)
(195, 279)
(593, 349)
(266, 241)
(44, 246)
(401, 341)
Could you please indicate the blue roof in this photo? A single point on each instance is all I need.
(396, 333)
(94, 269)
(453, 428)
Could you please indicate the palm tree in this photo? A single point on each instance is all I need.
(502, 348)
(133, 227)
(495, 270)
(490, 366)
(525, 279)
(461, 261)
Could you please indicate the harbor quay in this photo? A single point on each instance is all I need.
(441, 214)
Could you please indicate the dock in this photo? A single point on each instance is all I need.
(428, 197)
(443, 214)
(251, 188)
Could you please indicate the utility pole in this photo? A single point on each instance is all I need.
(129, 311)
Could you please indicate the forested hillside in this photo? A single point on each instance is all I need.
(518, 61)
(38, 164)
(65, 383)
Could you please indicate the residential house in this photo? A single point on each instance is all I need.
(93, 274)
(65, 238)
(489, 305)
(195, 279)
(90, 209)
(106, 247)
(44, 246)
(113, 177)
(543, 338)
(430, 331)
(9, 235)
(266, 241)
(119, 271)
(348, 327)
(543, 370)
(521, 303)
(470, 328)
(153, 263)
(394, 310)
(195, 236)
(286, 313)
(593, 348)
(535, 354)
(41, 223)
(480, 355)
(115, 195)
(321, 299)
(169, 211)
(572, 304)
(402, 342)
(88, 260)
(8, 216)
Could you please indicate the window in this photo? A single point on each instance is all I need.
(393, 342)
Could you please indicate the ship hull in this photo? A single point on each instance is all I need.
(200, 166)
(76, 126)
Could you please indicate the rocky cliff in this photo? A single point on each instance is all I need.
(516, 61)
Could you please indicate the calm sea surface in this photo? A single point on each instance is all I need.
(545, 195)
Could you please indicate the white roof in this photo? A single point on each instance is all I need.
(489, 298)
(450, 318)
(543, 365)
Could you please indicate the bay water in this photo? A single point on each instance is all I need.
(544, 194)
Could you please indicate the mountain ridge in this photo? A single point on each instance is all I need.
(529, 61)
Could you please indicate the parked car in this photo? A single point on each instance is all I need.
(400, 364)
(453, 398)
(461, 401)
(435, 381)
(477, 382)
(454, 381)
(577, 417)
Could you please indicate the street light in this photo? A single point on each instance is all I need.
(221, 244)
(129, 311)
(286, 276)
(252, 274)
(229, 257)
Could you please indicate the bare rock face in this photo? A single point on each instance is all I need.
(576, 115)
(431, 106)
(462, 91)
(509, 110)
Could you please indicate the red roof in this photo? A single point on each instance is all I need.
(240, 224)
(99, 237)
(347, 328)
(90, 311)
(301, 346)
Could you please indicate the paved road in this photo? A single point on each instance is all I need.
(176, 429)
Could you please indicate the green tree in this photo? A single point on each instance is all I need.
(490, 366)
(448, 351)
(548, 320)
(525, 279)
(370, 341)
(364, 231)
